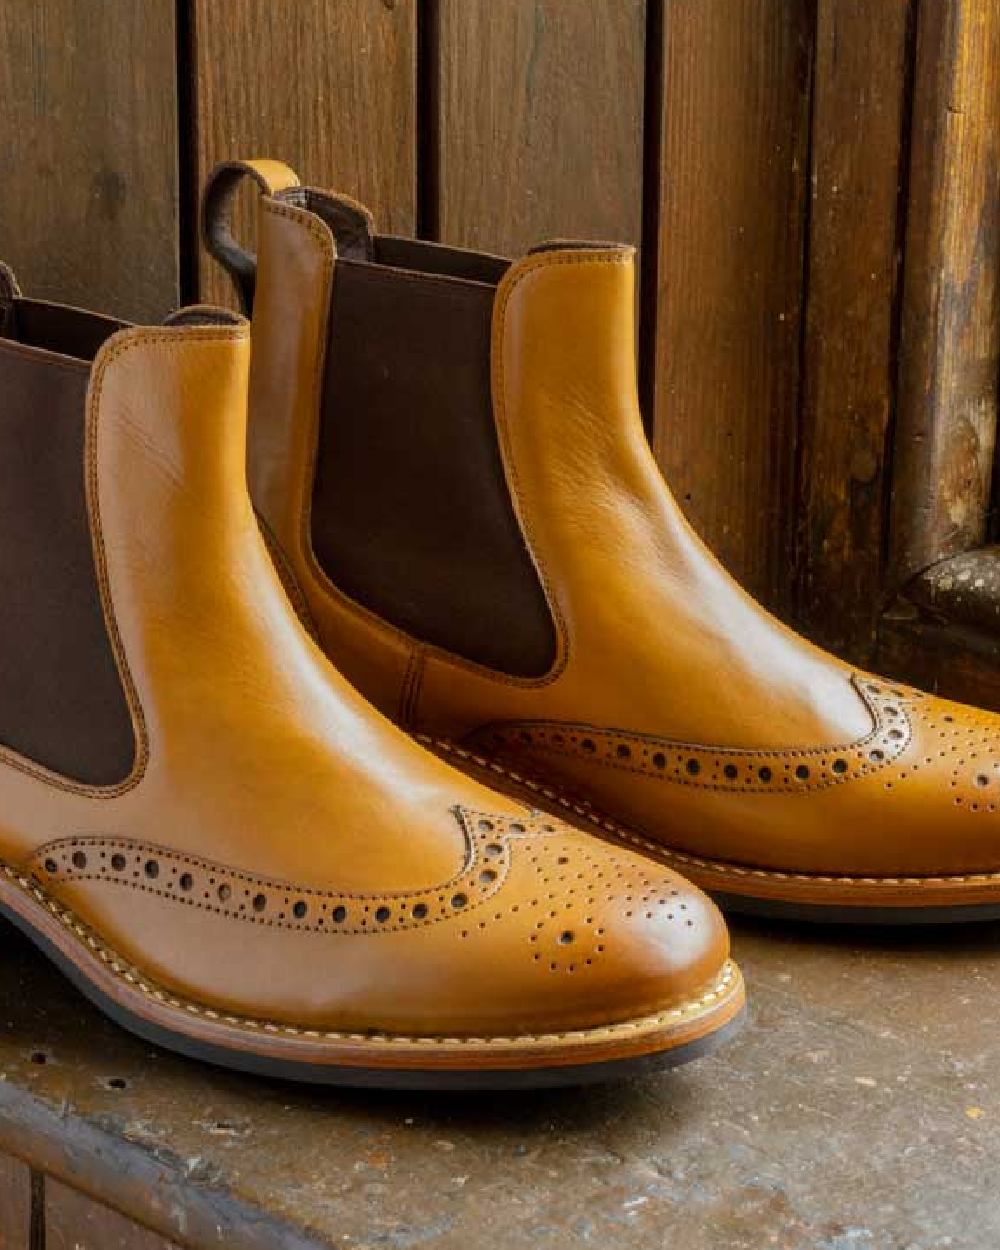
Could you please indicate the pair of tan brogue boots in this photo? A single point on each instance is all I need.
(453, 856)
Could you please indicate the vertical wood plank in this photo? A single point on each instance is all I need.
(735, 134)
(860, 110)
(950, 347)
(539, 121)
(15, 1204)
(74, 1222)
(329, 86)
(88, 152)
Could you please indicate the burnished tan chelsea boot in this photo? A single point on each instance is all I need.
(447, 450)
(214, 835)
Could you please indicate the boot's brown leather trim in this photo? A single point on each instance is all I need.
(411, 513)
(62, 706)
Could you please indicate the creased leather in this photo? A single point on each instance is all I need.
(259, 769)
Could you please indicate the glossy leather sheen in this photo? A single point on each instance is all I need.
(280, 850)
(677, 706)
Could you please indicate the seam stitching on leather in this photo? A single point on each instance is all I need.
(499, 369)
(664, 853)
(889, 749)
(115, 347)
(430, 651)
(727, 980)
(502, 830)
(286, 575)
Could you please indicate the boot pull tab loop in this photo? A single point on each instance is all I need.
(216, 217)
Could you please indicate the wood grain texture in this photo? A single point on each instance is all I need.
(948, 658)
(328, 86)
(88, 152)
(732, 193)
(15, 1204)
(74, 1222)
(539, 121)
(860, 111)
(950, 347)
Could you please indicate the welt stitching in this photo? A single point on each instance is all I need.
(127, 972)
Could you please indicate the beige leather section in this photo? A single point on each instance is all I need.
(294, 280)
(258, 757)
(657, 637)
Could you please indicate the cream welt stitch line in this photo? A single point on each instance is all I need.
(600, 821)
(726, 981)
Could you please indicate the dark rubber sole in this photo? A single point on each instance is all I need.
(823, 913)
(458, 1079)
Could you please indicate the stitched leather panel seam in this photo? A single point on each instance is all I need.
(681, 860)
(791, 771)
(237, 895)
(727, 982)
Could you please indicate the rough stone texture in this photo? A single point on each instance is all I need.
(859, 1111)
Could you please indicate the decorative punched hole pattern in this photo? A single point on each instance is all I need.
(207, 886)
(584, 893)
(772, 772)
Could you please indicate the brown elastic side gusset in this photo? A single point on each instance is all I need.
(412, 516)
(62, 705)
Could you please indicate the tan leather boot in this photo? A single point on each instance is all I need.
(222, 843)
(448, 451)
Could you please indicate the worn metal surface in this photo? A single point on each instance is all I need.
(860, 1111)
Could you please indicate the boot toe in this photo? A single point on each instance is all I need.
(586, 934)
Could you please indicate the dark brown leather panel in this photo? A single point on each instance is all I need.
(61, 699)
(411, 513)
(57, 328)
(425, 257)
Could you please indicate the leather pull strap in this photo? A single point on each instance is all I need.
(216, 217)
(9, 292)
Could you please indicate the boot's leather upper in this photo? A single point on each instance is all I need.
(671, 701)
(243, 826)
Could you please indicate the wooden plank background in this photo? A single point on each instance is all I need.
(15, 1205)
(813, 185)
(328, 86)
(950, 350)
(860, 115)
(89, 152)
(732, 179)
(75, 1222)
(526, 145)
